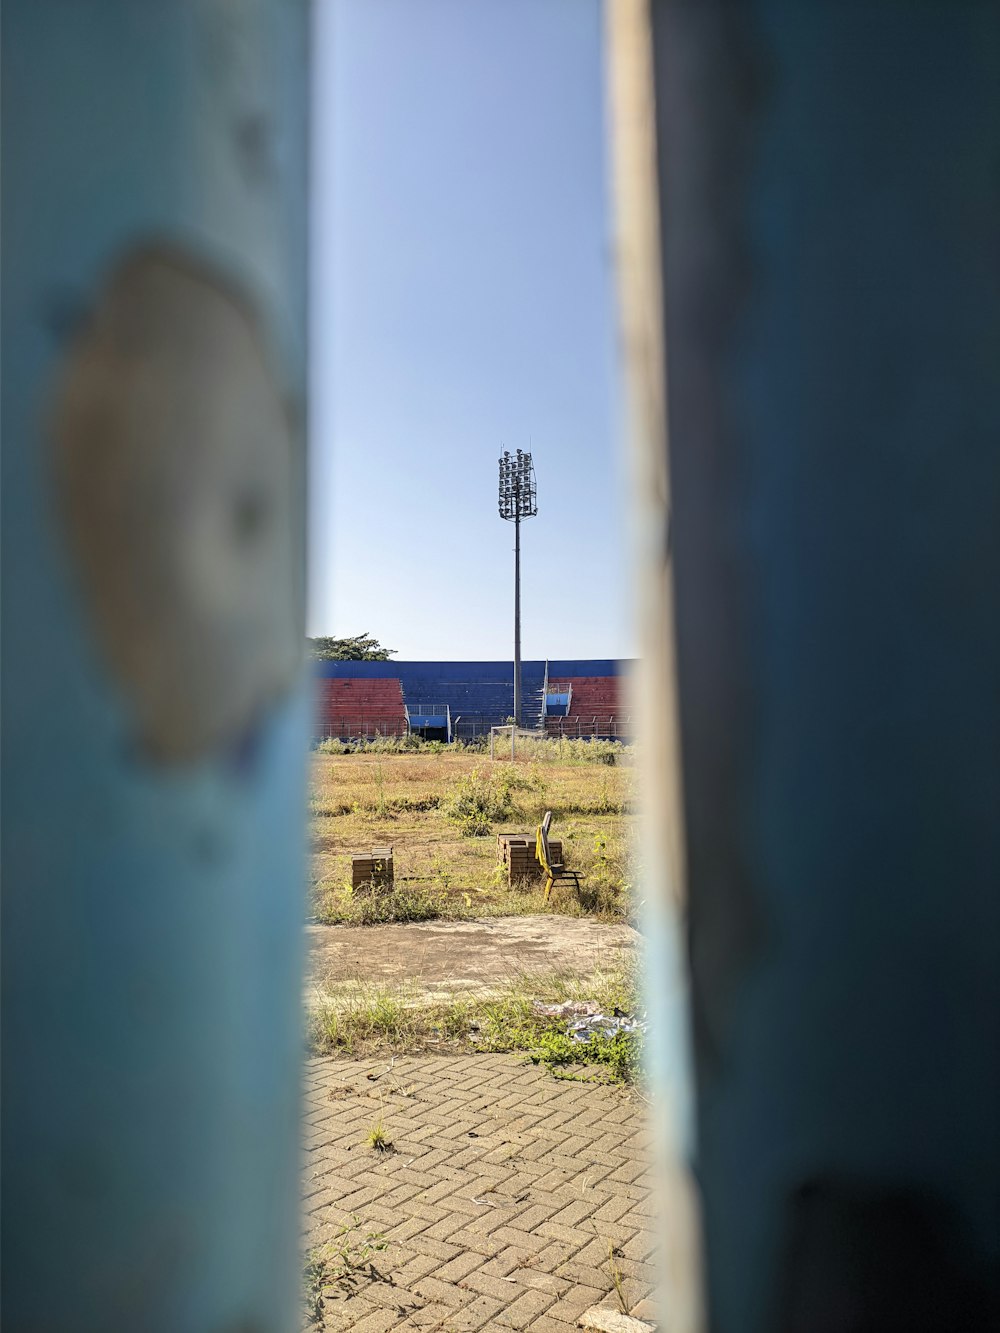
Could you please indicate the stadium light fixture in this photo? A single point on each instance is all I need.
(518, 499)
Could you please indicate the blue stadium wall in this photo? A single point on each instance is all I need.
(423, 671)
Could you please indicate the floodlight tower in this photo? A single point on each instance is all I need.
(518, 499)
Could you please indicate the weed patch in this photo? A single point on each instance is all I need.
(481, 799)
(378, 745)
(619, 1057)
(345, 1262)
(399, 903)
(617, 1280)
(361, 1019)
(377, 1138)
(366, 1019)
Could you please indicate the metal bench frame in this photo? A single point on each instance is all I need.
(553, 869)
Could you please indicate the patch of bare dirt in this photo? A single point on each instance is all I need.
(442, 957)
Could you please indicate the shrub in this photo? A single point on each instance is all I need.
(332, 745)
(480, 799)
(400, 903)
(544, 749)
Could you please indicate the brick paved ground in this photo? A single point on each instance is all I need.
(503, 1190)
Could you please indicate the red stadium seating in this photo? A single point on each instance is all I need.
(596, 709)
(351, 708)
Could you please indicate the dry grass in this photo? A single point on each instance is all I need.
(361, 800)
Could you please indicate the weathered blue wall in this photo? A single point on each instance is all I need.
(830, 195)
(153, 341)
(472, 671)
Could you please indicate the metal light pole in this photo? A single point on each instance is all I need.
(517, 500)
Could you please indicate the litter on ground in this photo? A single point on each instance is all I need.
(604, 1025)
(568, 1009)
(588, 1021)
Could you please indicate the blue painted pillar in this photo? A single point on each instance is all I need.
(153, 699)
(829, 196)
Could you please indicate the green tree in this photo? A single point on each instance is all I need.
(360, 648)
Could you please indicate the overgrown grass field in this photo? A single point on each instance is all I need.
(441, 809)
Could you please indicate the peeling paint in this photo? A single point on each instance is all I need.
(176, 476)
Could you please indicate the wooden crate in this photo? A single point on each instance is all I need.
(505, 839)
(520, 863)
(372, 871)
(517, 852)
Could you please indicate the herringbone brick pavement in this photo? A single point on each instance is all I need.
(499, 1199)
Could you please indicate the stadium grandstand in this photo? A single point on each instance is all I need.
(452, 701)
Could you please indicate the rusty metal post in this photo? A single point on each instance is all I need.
(154, 709)
(820, 551)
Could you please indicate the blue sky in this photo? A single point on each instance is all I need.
(462, 301)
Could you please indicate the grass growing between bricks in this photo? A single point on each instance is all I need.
(342, 1265)
(513, 1200)
(360, 1020)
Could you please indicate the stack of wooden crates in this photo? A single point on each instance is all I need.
(373, 871)
(517, 852)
